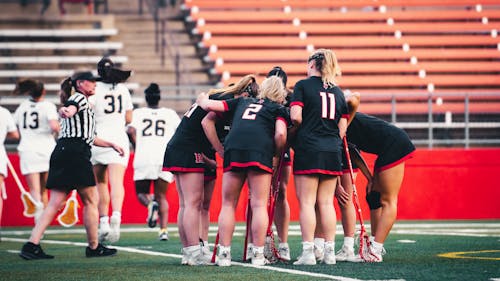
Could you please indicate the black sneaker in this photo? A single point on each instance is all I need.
(32, 251)
(153, 208)
(100, 251)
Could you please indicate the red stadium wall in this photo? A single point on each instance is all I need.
(438, 184)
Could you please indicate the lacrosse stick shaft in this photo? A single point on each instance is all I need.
(248, 226)
(16, 178)
(355, 200)
(215, 247)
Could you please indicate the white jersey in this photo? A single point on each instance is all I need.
(154, 129)
(110, 103)
(33, 120)
(7, 125)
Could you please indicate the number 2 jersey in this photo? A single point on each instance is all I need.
(154, 128)
(254, 124)
(322, 109)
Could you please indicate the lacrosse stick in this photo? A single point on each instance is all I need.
(364, 240)
(69, 216)
(273, 253)
(215, 247)
(29, 203)
(248, 226)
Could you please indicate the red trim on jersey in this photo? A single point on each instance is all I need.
(346, 116)
(183, 170)
(299, 103)
(282, 119)
(247, 165)
(226, 108)
(318, 171)
(354, 170)
(395, 163)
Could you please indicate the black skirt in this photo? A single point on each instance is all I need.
(70, 165)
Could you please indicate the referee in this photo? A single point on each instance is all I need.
(70, 166)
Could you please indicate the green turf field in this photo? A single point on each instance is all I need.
(423, 250)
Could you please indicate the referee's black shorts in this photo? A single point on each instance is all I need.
(70, 165)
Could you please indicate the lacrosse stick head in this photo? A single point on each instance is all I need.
(30, 205)
(69, 216)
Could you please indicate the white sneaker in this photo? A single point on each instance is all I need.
(258, 257)
(196, 257)
(153, 209)
(307, 257)
(329, 253)
(284, 251)
(184, 258)
(224, 256)
(319, 253)
(370, 255)
(114, 234)
(249, 251)
(163, 235)
(347, 254)
(104, 230)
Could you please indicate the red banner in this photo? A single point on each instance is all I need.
(438, 184)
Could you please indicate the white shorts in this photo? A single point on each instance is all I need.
(107, 155)
(3, 162)
(33, 162)
(152, 173)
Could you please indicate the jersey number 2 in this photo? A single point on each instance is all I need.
(327, 100)
(251, 111)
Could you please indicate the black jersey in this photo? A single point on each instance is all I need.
(189, 134)
(322, 109)
(374, 135)
(254, 124)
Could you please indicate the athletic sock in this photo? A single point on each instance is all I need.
(104, 219)
(349, 242)
(377, 247)
(117, 214)
(319, 243)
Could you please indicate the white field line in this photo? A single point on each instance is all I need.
(152, 253)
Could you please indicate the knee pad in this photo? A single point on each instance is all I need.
(373, 199)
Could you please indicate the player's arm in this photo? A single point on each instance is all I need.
(361, 163)
(208, 124)
(280, 135)
(131, 133)
(353, 100)
(210, 105)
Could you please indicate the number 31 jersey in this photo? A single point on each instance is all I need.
(110, 103)
(154, 129)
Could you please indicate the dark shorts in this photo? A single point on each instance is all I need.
(181, 160)
(345, 167)
(70, 166)
(287, 158)
(210, 173)
(317, 163)
(396, 152)
(242, 160)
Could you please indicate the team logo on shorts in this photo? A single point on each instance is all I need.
(198, 158)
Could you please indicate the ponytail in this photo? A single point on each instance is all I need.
(66, 90)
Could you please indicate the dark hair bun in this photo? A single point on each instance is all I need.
(152, 89)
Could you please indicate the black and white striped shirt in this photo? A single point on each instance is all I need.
(82, 124)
